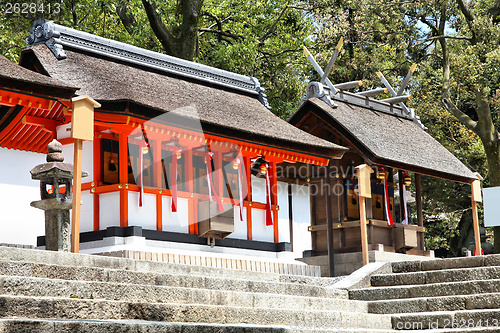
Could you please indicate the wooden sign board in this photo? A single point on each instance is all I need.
(364, 185)
(82, 118)
(491, 206)
(476, 191)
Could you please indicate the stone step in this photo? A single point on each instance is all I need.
(292, 285)
(426, 290)
(23, 325)
(445, 275)
(450, 263)
(481, 320)
(146, 266)
(93, 309)
(441, 303)
(43, 287)
(85, 260)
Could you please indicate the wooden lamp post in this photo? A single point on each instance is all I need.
(363, 172)
(475, 198)
(82, 128)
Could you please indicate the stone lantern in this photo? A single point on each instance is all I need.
(56, 197)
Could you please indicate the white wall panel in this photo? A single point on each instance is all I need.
(301, 212)
(19, 222)
(240, 227)
(87, 212)
(144, 216)
(258, 189)
(175, 222)
(283, 216)
(87, 158)
(109, 210)
(261, 232)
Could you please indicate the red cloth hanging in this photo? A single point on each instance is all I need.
(141, 171)
(211, 186)
(387, 201)
(269, 213)
(173, 182)
(240, 188)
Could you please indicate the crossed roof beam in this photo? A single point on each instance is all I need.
(397, 98)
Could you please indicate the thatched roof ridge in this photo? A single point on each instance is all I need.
(226, 111)
(13, 76)
(388, 140)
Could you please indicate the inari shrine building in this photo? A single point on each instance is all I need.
(175, 144)
(388, 137)
(187, 157)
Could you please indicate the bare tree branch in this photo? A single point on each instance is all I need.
(461, 116)
(126, 16)
(273, 26)
(280, 53)
(442, 19)
(469, 18)
(217, 23)
(494, 11)
(161, 31)
(222, 33)
(443, 36)
(431, 25)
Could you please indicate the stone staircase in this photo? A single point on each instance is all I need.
(452, 295)
(43, 291)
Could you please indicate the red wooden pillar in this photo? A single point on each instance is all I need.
(157, 169)
(248, 174)
(273, 178)
(188, 178)
(218, 171)
(97, 176)
(123, 178)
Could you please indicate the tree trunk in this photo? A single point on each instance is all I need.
(492, 150)
(180, 40)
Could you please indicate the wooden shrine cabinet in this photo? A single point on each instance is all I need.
(214, 224)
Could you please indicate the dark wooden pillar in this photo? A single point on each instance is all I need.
(420, 216)
(313, 199)
(329, 224)
(401, 201)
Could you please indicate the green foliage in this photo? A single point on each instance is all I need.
(268, 45)
(264, 39)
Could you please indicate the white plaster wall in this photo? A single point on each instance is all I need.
(63, 131)
(87, 212)
(283, 215)
(240, 227)
(261, 232)
(258, 189)
(175, 222)
(87, 208)
(87, 158)
(144, 216)
(19, 222)
(301, 213)
(109, 210)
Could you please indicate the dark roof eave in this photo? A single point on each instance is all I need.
(312, 150)
(332, 152)
(42, 90)
(422, 171)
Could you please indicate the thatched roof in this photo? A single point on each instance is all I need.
(222, 111)
(388, 140)
(15, 77)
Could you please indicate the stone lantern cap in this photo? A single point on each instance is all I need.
(54, 166)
